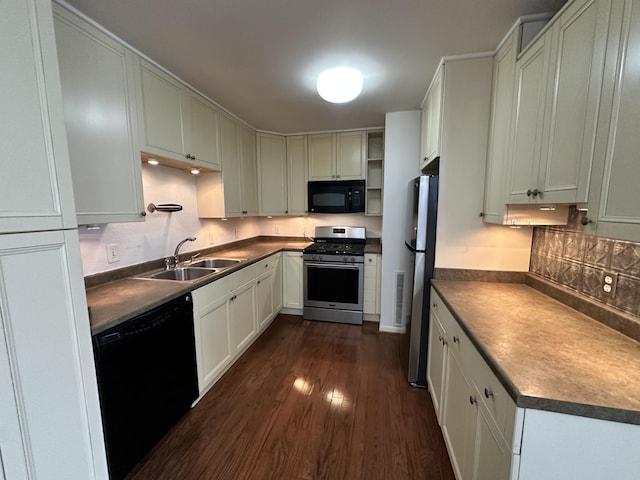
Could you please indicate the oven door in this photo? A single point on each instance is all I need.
(334, 285)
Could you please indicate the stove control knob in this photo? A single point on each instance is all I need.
(346, 259)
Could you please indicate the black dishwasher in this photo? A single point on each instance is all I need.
(147, 380)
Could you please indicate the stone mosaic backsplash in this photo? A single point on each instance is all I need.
(566, 256)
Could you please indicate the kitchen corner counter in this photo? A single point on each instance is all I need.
(547, 355)
(119, 300)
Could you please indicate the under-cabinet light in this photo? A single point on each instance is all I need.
(153, 161)
(194, 171)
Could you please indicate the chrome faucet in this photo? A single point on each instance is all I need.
(176, 258)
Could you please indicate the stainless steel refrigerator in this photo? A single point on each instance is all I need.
(421, 241)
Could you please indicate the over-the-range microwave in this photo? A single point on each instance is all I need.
(341, 196)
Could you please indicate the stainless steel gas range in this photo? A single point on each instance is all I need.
(334, 275)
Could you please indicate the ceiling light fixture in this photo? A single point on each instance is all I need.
(340, 84)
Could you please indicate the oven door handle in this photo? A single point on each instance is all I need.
(350, 266)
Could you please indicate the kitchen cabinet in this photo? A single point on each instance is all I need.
(372, 281)
(297, 175)
(269, 290)
(98, 91)
(375, 172)
(498, 150)
(272, 172)
(432, 119)
(231, 312)
(613, 205)
(337, 156)
(558, 90)
(36, 192)
(293, 281)
(476, 414)
(175, 122)
(49, 407)
(232, 192)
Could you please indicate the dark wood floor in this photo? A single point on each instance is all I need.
(309, 400)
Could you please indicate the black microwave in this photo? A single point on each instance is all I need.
(342, 196)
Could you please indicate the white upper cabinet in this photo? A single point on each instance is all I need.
(272, 172)
(432, 119)
(559, 84)
(233, 192)
(98, 90)
(351, 152)
(337, 156)
(297, 175)
(613, 200)
(35, 184)
(177, 123)
(498, 153)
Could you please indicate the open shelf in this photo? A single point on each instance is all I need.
(375, 172)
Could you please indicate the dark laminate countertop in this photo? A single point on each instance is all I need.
(114, 302)
(547, 355)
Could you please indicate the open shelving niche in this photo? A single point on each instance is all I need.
(375, 165)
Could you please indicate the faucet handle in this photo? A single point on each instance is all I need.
(167, 263)
(193, 257)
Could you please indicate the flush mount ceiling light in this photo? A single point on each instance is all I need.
(340, 84)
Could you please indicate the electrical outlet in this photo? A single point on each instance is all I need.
(609, 283)
(113, 253)
(237, 233)
(211, 242)
(276, 229)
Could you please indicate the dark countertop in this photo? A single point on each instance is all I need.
(547, 355)
(116, 301)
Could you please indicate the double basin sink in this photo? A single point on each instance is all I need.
(195, 270)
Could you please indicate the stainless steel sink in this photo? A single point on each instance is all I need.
(216, 262)
(183, 274)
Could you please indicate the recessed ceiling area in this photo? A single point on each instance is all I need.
(260, 59)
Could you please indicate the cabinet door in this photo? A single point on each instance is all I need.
(35, 182)
(231, 166)
(436, 355)
(491, 457)
(201, 131)
(98, 80)
(293, 280)
(613, 202)
(272, 174)
(350, 160)
(424, 136)
(434, 128)
(297, 175)
(278, 298)
(458, 415)
(161, 122)
(579, 39)
(371, 280)
(249, 175)
(322, 156)
(531, 81)
(50, 373)
(264, 299)
(498, 152)
(243, 317)
(213, 342)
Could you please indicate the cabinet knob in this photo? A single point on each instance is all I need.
(456, 339)
(259, 284)
(143, 213)
(435, 305)
(440, 338)
(533, 193)
(585, 221)
(472, 400)
(488, 393)
(286, 212)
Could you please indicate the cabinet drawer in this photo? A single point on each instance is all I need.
(208, 293)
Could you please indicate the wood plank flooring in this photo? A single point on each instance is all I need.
(309, 400)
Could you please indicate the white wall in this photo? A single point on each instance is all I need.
(401, 155)
(158, 235)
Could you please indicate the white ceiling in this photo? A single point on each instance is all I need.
(259, 58)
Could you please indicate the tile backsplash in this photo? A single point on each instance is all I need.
(566, 256)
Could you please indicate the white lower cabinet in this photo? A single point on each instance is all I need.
(476, 414)
(293, 291)
(229, 313)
